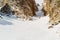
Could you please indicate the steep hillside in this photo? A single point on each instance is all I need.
(12, 28)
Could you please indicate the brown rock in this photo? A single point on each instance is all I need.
(52, 8)
(22, 7)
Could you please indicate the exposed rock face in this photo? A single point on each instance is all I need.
(1, 3)
(6, 10)
(25, 8)
(52, 8)
(46, 7)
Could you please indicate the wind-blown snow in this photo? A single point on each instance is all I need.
(12, 28)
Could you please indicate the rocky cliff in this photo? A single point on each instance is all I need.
(52, 8)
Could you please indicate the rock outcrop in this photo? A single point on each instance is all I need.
(22, 8)
(6, 10)
(52, 8)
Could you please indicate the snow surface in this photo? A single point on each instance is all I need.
(12, 28)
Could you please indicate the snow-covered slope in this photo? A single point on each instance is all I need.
(16, 29)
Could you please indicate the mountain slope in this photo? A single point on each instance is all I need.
(37, 29)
